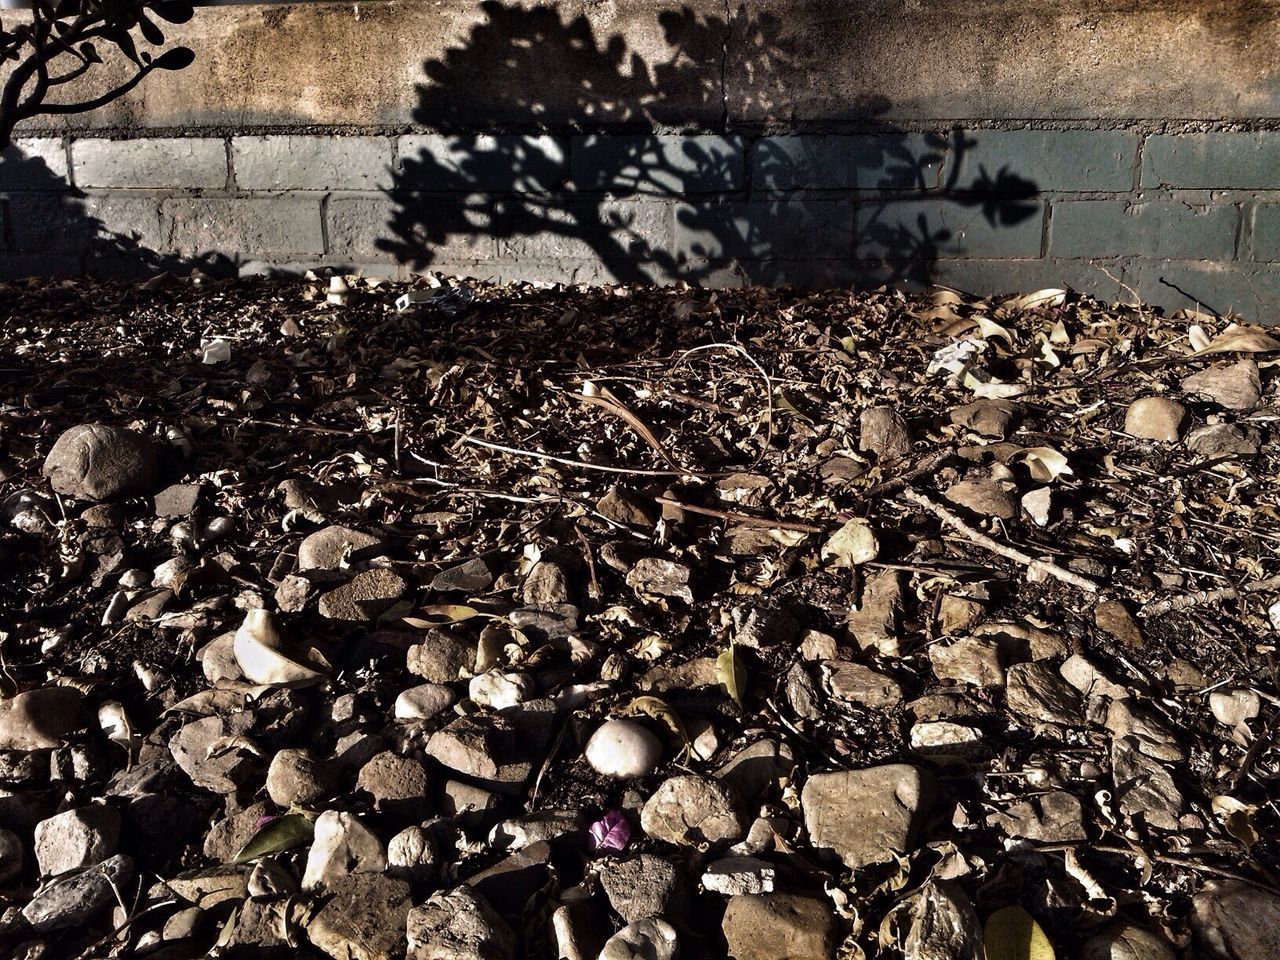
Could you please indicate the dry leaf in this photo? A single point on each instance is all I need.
(732, 674)
(258, 650)
(1013, 934)
(1238, 339)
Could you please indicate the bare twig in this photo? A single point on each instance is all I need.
(1185, 601)
(579, 464)
(1003, 550)
(924, 468)
(746, 519)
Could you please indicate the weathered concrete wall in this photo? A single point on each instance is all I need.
(987, 143)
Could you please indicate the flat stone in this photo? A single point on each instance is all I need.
(423, 701)
(361, 917)
(208, 887)
(296, 778)
(543, 826)
(699, 672)
(975, 660)
(1127, 719)
(546, 583)
(1155, 418)
(342, 846)
(874, 625)
(864, 816)
(1054, 817)
(855, 683)
(780, 926)
(661, 577)
(177, 500)
(458, 924)
(1224, 440)
(497, 689)
(40, 719)
(398, 785)
(739, 876)
(688, 810)
(626, 506)
(649, 939)
(1236, 921)
(1144, 788)
(1113, 618)
(94, 461)
(957, 614)
(1089, 680)
(514, 880)
(816, 645)
(224, 839)
(440, 657)
(76, 838)
(988, 418)
(485, 747)
(1123, 941)
(74, 899)
(473, 576)
(943, 925)
(1038, 692)
(759, 770)
(882, 431)
(218, 771)
(364, 597)
(985, 496)
(942, 740)
(623, 748)
(326, 548)
(1236, 386)
(646, 886)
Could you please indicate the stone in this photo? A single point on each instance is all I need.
(224, 839)
(874, 625)
(40, 719)
(74, 899)
(623, 748)
(1224, 440)
(764, 627)
(219, 771)
(802, 696)
(1233, 920)
(413, 854)
(865, 816)
(698, 672)
(957, 614)
(497, 690)
(1089, 680)
(11, 855)
(259, 932)
(423, 701)
(543, 826)
(486, 747)
(625, 506)
(942, 740)
(149, 606)
(855, 683)
(296, 778)
(987, 418)
(689, 809)
(1237, 386)
(579, 927)
(1113, 618)
(649, 939)
(364, 597)
(208, 887)
(1155, 418)
(816, 645)
(76, 838)
(1234, 708)
(182, 925)
(548, 622)
(660, 577)
(646, 886)
(177, 500)
(473, 576)
(458, 924)
(1123, 941)
(440, 658)
(985, 496)
(943, 925)
(468, 803)
(329, 546)
(546, 583)
(975, 660)
(739, 876)
(852, 545)
(759, 770)
(1053, 817)
(397, 785)
(514, 880)
(780, 926)
(94, 461)
(342, 846)
(1038, 692)
(1144, 788)
(1024, 641)
(883, 432)
(361, 917)
(1126, 719)
(109, 515)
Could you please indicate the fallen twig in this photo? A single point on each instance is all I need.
(1185, 601)
(579, 464)
(744, 518)
(1010, 553)
(928, 465)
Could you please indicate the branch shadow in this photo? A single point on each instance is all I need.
(573, 176)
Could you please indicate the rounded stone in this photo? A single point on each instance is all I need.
(295, 778)
(94, 461)
(324, 549)
(497, 691)
(423, 701)
(649, 939)
(1155, 418)
(690, 810)
(623, 748)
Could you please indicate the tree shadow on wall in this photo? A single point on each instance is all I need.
(550, 190)
(48, 228)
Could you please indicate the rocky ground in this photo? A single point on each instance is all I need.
(541, 622)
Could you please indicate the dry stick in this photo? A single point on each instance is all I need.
(1199, 598)
(579, 464)
(981, 539)
(744, 518)
(928, 465)
(1194, 865)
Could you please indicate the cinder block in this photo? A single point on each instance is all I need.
(611, 232)
(765, 229)
(1266, 232)
(436, 163)
(50, 266)
(948, 227)
(1113, 228)
(127, 223)
(35, 163)
(49, 222)
(667, 165)
(244, 228)
(889, 161)
(1000, 277)
(1042, 160)
(150, 163)
(410, 228)
(1217, 161)
(306, 162)
(1251, 291)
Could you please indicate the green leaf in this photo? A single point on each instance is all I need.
(282, 833)
(732, 674)
(1013, 934)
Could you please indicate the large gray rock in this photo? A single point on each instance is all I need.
(646, 886)
(76, 838)
(39, 719)
(1237, 386)
(1155, 418)
(689, 810)
(296, 778)
(458, 924)
(864, 816)
(1236, 921)
(94, 461)
(649, 939)
(1125, 942)
(361, 917)
(364, 597)
(780, 926)
(324, 549)
(943, 925)
(882, 431)
(73, 900)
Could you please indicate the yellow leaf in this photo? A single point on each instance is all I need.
(1013, 934)
(732, 674)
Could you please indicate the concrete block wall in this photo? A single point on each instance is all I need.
(1178, 218)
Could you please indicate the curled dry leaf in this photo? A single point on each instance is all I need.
(115, 723)
(852, 545)
(659, 710)
(1237, 818)
(258, 649)
(1239, 339)
(1045, 464)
